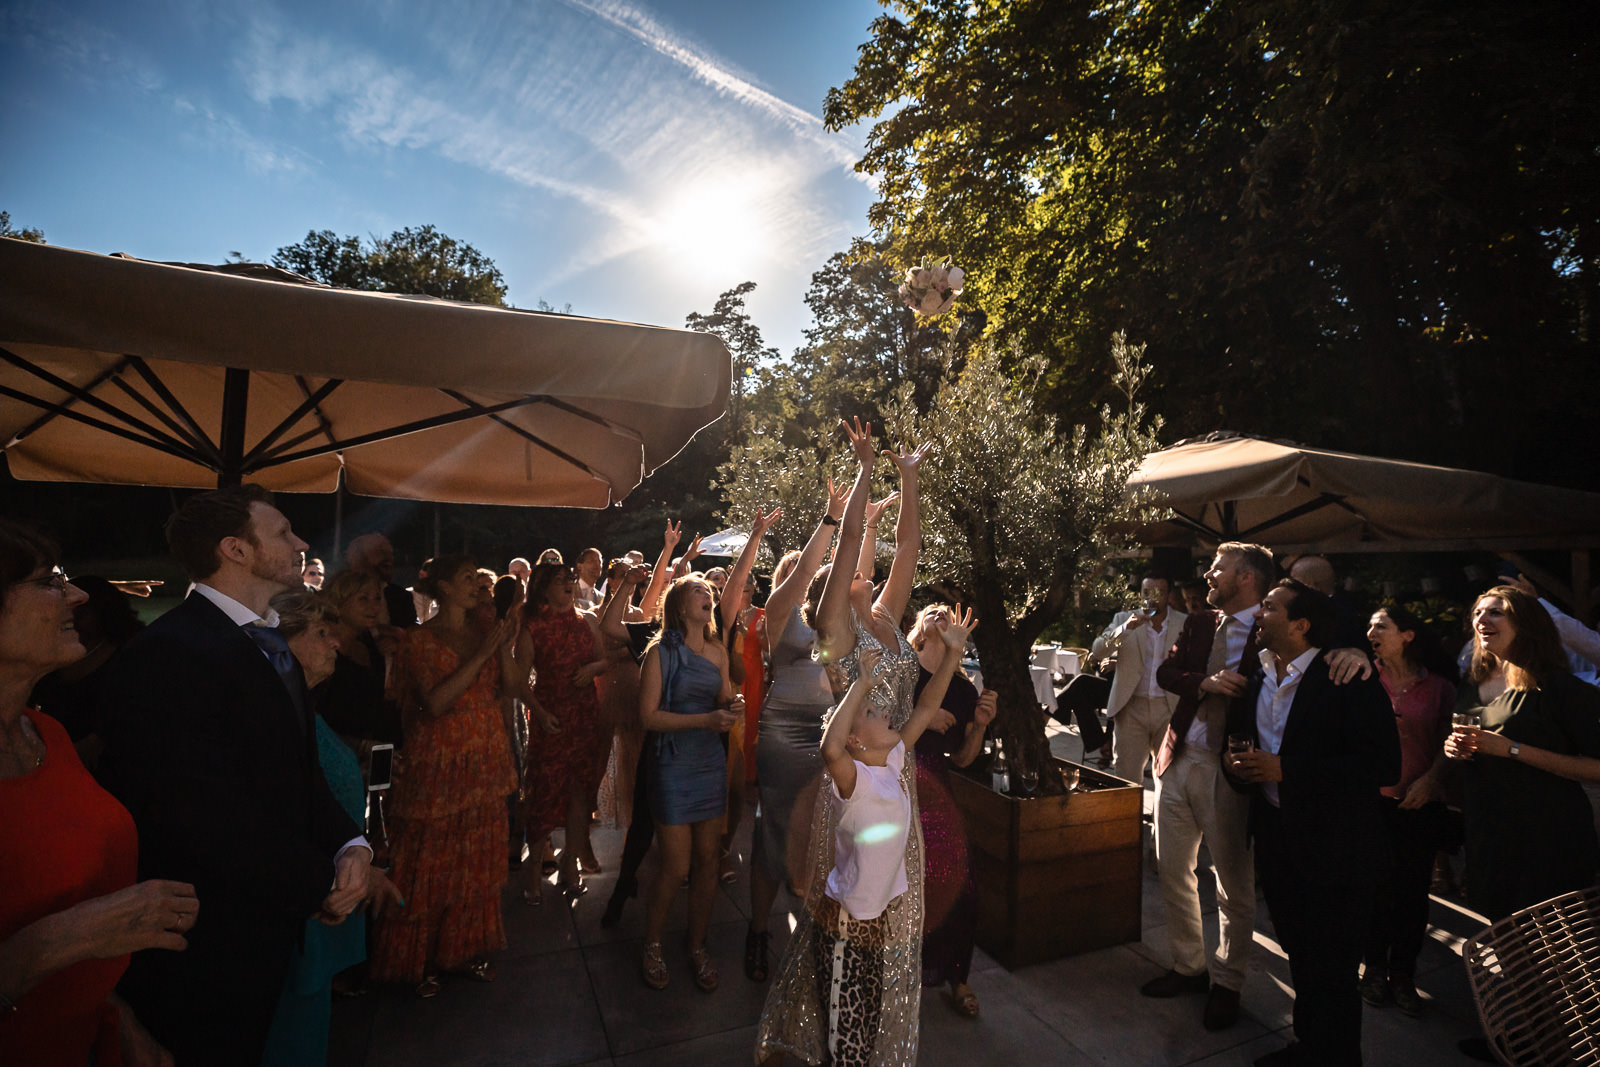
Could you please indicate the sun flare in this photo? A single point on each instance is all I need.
(713, 225)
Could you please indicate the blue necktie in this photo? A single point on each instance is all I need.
(272, 643)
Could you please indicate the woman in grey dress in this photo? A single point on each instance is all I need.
(787, 761)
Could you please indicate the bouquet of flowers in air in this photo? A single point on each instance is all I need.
(930, 289)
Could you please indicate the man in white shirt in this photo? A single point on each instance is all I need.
(211, 749)
(1318, 753)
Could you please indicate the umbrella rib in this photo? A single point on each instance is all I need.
(44, 420)
(199, 444)
(263, 448)
(535, 438)
(173, 444)
(383, 435)
(158, 442)
(1294, 513)
(159, 387)
(1199, 526)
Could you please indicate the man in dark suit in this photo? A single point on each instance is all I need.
(210, 747)
(1320, 754)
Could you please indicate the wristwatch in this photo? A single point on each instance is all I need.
(1516, 750)
(829, 520)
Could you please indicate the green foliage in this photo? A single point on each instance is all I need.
(1294, 197)
(25, 233)
(1019, 516)
(413, 260)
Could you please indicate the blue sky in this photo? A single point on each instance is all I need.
(633, 159)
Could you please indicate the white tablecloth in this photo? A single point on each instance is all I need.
(1057, 659)
(1043, 690)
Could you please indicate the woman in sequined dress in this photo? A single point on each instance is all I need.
(796, 1019)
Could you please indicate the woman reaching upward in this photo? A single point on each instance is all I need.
(849, 620)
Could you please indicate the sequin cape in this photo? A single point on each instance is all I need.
(794, 1019)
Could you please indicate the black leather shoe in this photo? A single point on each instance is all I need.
(1222, 1008)
(1173, 984)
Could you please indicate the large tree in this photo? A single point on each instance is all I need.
(1345, 221)
(413, 260)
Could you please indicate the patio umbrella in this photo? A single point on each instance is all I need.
(1228, 487)
(121, 370)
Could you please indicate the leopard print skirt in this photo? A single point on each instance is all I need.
(850, 982)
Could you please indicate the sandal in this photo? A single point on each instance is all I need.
(755, 954)
(705, 972)
(479, 971)
(428, 988)
(965, 1004)
(653, 969)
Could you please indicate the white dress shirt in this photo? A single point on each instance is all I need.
(1272, 706)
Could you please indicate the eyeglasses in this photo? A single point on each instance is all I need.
(56, 581)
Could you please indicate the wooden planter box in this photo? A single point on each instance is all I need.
(1056, 875)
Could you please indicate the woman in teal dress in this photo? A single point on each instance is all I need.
(686, 700)
(299, 1034)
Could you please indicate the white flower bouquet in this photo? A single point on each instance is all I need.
(931, 288)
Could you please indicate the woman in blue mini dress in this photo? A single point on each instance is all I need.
(686, 700)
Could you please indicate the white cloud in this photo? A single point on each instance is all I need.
(623, 123)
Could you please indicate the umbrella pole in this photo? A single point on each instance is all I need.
(235, 403)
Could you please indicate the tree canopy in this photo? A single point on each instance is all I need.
(1339, 221)
(413, 260)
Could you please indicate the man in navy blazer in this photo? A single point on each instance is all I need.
(215, 758)
(1321, 752)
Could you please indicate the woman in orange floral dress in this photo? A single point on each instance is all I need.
(565, 762)
(447, 810)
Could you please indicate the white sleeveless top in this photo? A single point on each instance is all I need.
(869, 867)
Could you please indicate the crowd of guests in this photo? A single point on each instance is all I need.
(1327, 757)
(203, 843)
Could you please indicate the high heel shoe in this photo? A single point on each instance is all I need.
(572, 884)
(755, 954)
(705, 972)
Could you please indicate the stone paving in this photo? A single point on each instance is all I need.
(569, 992)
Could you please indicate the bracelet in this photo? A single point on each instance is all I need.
(829, 520)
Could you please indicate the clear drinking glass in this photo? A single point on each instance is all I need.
(1027, 780)
(1239, 744)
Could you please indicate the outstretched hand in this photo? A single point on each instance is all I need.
(874, 510)
(955, 632)
(693, 550)
(907, 463)
(762, 523)
(836, 499)
(673, 535)
(860, 440)
(870, 660)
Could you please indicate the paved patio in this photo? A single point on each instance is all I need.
(569, 993)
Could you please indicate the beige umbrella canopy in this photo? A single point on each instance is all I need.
(1228, 487)
(121, 370)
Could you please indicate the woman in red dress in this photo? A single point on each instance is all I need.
(70, 912)
(561, 646)
(447, 810)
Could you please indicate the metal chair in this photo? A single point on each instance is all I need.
(1535, 977)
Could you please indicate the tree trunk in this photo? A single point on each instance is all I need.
(1019, 723)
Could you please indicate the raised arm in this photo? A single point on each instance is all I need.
(611, 618)
(662, 572)
(792, 590)
(907, 534)
(835, 637)
(867, 558)
(733, 589)
(954, 637)
(836, 738)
